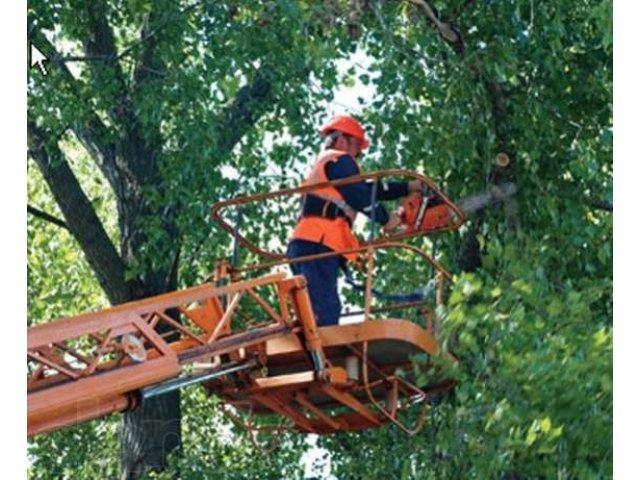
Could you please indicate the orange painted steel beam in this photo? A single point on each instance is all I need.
(382, 246)
(265, 306)
(60, 330)
(48, 409)
(48, 362)
(306, 317)
(61, 383)
(335, 423)
(83, 410)
(223, 324)
(338, 335)
(235, 342)
(352, 402)
(128, 379)
(277, 405)
(296, 381)
(166, 318)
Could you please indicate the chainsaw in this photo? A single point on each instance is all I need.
(424, 213)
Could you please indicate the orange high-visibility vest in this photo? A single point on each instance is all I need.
(334, 233)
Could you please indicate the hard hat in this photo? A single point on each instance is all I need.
(348, 125)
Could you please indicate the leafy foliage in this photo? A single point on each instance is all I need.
(531, 327)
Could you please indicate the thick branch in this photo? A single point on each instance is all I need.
(149, 66)
(447, 31)
(136, 157)
(235, 120)
(88, 127)
(494, 91)
(137, 147)
(46, 217)
(80, 216)
(99, 40)
(601, 205)
(497, 99)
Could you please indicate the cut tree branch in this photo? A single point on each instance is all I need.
(80, 216)
(46, 217)
(447, 31)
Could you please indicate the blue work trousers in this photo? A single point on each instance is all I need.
(322, 279)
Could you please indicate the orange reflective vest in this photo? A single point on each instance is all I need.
(334, 233)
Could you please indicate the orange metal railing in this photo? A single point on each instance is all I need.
(457, 216)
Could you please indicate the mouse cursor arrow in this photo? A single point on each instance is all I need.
(38, 58)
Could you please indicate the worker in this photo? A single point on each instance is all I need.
(328, 213)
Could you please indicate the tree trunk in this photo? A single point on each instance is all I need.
(148, 435)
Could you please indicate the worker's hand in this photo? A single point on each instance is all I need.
(415, 186)
(394, 225)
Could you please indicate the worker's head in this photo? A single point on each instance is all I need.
(345, 133)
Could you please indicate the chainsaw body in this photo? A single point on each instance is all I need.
(424, 213)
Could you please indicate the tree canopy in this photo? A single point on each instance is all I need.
(154, 110)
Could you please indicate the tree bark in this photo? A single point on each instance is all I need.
(80, 217)
(148, 435)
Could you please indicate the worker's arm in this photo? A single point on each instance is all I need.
(358, 195)
(391, 190)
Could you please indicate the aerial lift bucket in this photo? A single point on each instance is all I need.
(273, 362)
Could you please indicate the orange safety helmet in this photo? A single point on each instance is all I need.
(348, 125)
